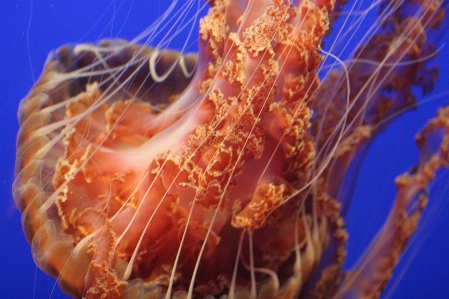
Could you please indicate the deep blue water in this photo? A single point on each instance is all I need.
(29, 31)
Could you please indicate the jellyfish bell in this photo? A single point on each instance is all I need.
(145, 172)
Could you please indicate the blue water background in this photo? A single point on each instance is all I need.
(30, 31)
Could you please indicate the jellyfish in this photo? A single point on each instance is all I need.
(146, 172)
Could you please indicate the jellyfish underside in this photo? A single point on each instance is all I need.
(143, 172)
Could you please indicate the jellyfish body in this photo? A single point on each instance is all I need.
(143, 172)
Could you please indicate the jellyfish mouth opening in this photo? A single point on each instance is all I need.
(119, 192)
